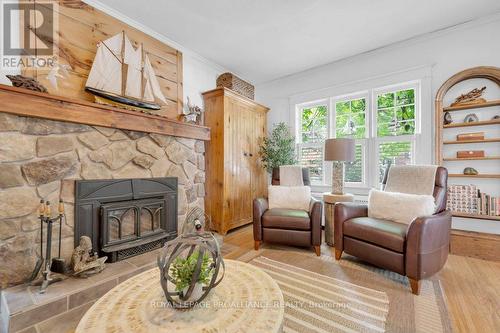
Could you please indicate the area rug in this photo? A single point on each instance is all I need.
(324, 295)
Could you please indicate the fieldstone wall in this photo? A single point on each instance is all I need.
(41, 159)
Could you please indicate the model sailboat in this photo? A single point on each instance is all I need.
(123, 76)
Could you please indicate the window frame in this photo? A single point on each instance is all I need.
(298, 133)
(363, 142)
(370, 143)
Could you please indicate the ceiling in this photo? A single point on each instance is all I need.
(262, 40)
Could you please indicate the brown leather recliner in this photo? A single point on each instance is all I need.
(418, 250)
(287, 226)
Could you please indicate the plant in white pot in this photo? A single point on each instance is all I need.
(279, 148)
(182, 272)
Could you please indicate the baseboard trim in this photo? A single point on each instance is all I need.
(475, 244)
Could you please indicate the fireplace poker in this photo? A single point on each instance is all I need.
(39, 261)
(58, 264)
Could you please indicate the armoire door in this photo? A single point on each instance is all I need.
(239, 181)
(259, 174)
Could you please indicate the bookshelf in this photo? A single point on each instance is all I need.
(484, 72)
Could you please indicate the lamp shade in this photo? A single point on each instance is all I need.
(339, 150)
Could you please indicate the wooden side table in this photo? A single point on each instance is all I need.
(330, 199)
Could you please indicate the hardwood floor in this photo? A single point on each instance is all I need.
(471, 286)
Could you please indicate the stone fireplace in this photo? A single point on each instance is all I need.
(126, 217)
(43, 159)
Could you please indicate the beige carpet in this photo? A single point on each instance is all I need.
(323, 295)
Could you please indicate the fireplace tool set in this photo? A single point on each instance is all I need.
(49, 264)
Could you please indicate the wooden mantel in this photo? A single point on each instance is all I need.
(23, 102)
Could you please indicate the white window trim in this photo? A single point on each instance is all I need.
(298, 133)
(370, 144)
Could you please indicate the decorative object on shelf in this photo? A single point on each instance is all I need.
(193, 114)
(470, 98)
(59, 71)
(470, 171)
(278, 149)
(470, 118)
(339, 151)
(231, 81)
(85, 262)
(470, 153)
(447, 118)
(462, 198)
(123, 76)
(497, 116)
(47, 262)
(190, 265)
(470, 136)
(25, 82)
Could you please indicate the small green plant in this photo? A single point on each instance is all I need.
(183, 269)
(279, 148)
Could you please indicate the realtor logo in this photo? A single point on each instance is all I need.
(29, 34)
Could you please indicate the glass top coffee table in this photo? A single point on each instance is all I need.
(247, 299)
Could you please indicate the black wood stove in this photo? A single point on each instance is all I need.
(126, 217)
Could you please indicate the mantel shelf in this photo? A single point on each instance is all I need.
(23, 102)
(471, 141)
(474, 123)
(474, 176)
(471, 158)
(472, 106)
(476, 216)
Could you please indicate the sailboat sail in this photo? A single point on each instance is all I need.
(133, 59)
(138, 77)
(105, 73)
(149, 74)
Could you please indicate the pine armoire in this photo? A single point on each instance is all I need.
(234, 172)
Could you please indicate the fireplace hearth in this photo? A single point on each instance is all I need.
(126, 217)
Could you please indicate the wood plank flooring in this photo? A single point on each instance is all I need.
(471, 286)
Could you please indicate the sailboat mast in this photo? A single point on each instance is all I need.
(143, 85)
(124, 66)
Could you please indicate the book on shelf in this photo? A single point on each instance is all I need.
(470, 200)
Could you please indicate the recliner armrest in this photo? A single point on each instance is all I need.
(315, 214)
(260, 205)
(344, 211)
(427, 244)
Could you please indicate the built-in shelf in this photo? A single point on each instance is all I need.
(474, 176)
(472, 106)
(471, 158)
(476, 216)
(474, 123)
(471, 141)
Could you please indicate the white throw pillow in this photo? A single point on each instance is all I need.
(291, 197)
(399, 207)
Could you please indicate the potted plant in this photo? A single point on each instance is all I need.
(278, 149)
(183, 271)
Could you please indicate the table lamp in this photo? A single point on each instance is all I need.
(339, 151)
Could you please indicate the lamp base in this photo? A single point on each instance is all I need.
(338, 177)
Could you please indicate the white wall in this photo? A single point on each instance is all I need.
(444, 53)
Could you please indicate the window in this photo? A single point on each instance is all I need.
(395, 128)
(313, 133)
(350, 122)
(384, 123)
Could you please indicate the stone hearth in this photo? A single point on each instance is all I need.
(41, 159)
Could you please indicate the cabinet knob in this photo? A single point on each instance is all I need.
(245, 154)
(251, 155)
